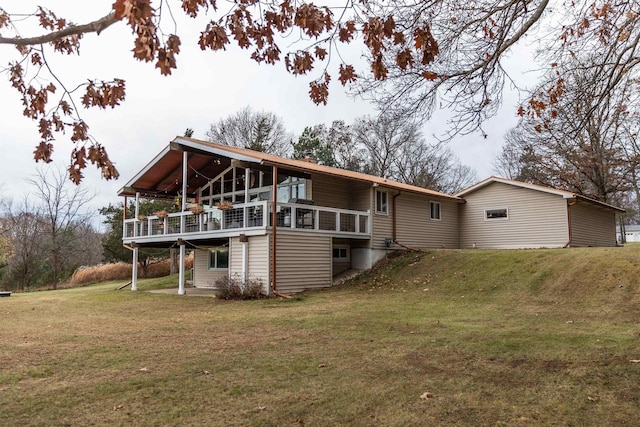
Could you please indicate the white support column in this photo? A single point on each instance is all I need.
(247, 183)
(181, 270)
(136, 231)
(134, 270)
(245, 259)
(184, 190)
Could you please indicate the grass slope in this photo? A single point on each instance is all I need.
(536, 337)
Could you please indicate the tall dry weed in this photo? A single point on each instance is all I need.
(121, 271)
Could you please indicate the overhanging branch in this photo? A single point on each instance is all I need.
(92, 27)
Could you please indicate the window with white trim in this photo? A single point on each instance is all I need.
(496, 214)
(381, 202)
(218, 258)
(434, 211)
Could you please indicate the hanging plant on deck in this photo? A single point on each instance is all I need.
(161, 214)
(197, 209)
(224, 205)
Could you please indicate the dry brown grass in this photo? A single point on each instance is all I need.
(120, 271)
(494, 337)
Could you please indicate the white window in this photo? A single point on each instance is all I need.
(381, 202)
(434, 211)
(341, 253)
(496, 214)
(219, 258)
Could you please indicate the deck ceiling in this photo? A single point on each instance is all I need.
(164, 177)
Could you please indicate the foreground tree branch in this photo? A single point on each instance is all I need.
(72, 30)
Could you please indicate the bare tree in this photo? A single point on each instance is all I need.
(395, 148)
(383, 137)
(64, 219)
(23, 228)
(580, 144)
(259, 131)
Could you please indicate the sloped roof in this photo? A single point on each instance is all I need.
(162, 171)
(564, 194)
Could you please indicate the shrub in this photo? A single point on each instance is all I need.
(234, 288)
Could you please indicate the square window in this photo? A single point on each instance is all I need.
(496, 214)
(381, 202)
(218, 258)
(434, 210)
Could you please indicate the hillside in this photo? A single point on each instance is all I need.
(596, 281)
(447, 337)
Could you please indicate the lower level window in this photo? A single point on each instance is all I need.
(492, 214)
(341, 253)
(219, 258)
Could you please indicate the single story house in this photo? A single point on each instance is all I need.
(505, 214)
(292, 224)
(295, 224)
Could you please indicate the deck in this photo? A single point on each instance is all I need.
(253, 218)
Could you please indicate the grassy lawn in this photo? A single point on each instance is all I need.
(535, 337)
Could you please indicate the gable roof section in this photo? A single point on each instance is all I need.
(165, 160)
(564, 194)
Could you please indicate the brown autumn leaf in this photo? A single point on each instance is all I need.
(347, 74)
(213, 37)
(346, 32)
(192, 7)
(43, 152)
(429, 75)
(319, 90)
(378, 68)
(320, 53)
(404, 59)
(80, 129)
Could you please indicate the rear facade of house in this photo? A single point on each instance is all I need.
(293, 225)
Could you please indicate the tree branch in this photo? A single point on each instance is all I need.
(93, 27)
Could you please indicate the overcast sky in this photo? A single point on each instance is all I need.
(206, 87)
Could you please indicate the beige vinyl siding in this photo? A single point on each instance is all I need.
(330, 191)
(203, 277)
(303, 261)
(536, 218)
(360, 196)
(414, 227)
(381, 224)
(235, 258)
(592, 226)
(257, 259)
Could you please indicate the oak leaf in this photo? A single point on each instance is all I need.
(347, 74)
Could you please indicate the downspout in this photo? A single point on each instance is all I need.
(569, 204)
(274, 222)
(394, 228)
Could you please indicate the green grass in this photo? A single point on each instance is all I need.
(532, 337)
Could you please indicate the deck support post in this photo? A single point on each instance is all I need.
(181, 266)
(134, 270)
(134, 261)
(245, 258)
